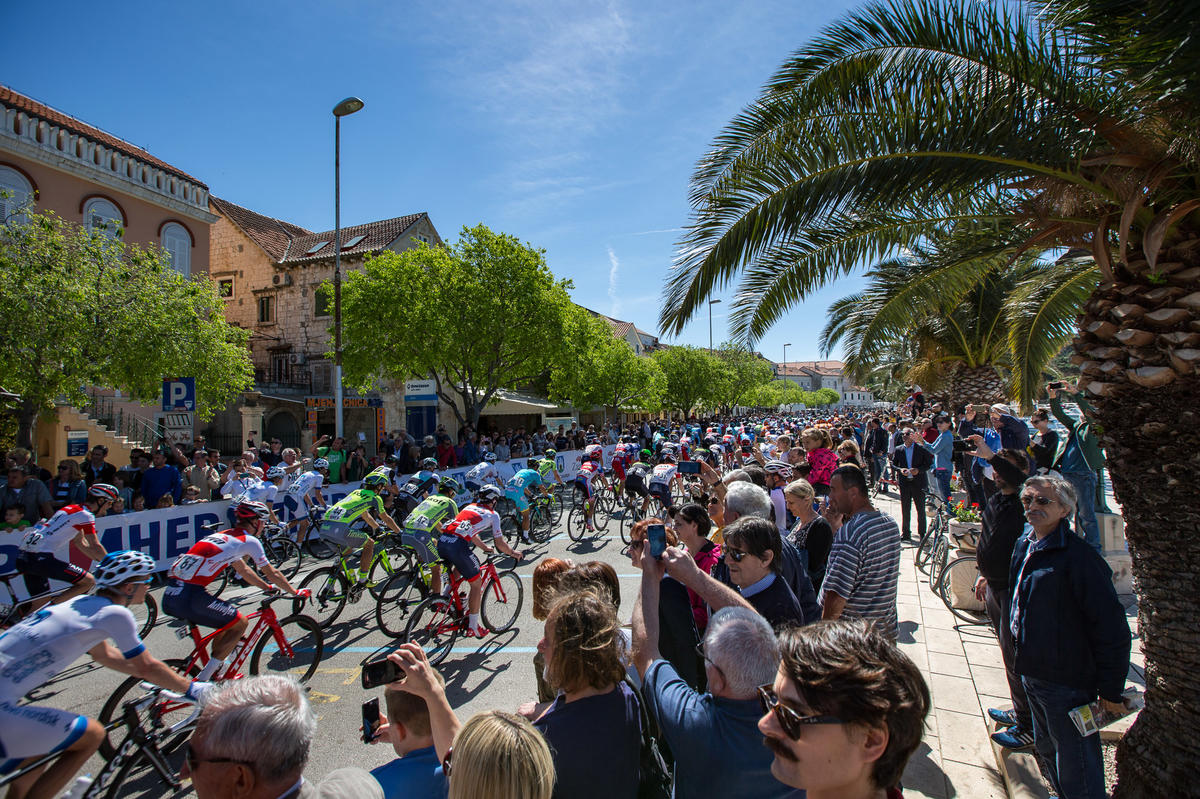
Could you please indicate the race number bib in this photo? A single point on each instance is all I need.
(186, 566)
(335, 514)
(422, 523)
(32, 539)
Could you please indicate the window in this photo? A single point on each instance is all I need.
(421, 237)
(225, 288)
(178, 243)
(15, 192)
(266, 310)
(323, 301)
(103, 216)
(354, 242)
(316, 248)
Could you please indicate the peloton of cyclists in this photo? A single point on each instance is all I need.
(424, 526)
(44, 553)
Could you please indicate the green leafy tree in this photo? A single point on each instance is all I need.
(86, 310)
(743, 372)
(826, 396)
(600, 369)
(482, 314)
(691, 376)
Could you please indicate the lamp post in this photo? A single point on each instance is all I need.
(346, 107)
(711, 303)
(783, 366)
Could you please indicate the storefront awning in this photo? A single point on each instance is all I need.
(513, 402)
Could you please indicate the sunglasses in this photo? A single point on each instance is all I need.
(1031, 500)
(714, 501)
(192, 761)
(736, 554)
(791, 721)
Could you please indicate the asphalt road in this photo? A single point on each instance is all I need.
(496, 672)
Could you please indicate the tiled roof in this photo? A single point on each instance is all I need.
(273, 235)
(619, 329)
(377, 236)
(20, 102)
(820, 367)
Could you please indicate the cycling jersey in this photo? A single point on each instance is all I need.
(525, 479)
(475, 520)
(663, 473)
(209, 556)
(483, 473)
(546, 468)
(387, 473)
(420, 483)
(588, 471)
(354, 505)
(430, 513)
(250, 489)
(306, 483)
(53, 534)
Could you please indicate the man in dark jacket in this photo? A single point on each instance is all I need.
(874, 449)
(1003, 524)
(912, 463)
(1071, 638)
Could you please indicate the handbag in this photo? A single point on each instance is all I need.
(654, 780)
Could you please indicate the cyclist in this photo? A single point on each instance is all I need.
(636, 476)
(305, 493)
(45, 643)
(482, 473)
(249, 488)
(417, 488)
(424, 524)
(455, 547)
(389, 474)
(363, 504)
(44, 554)
(590, 470)
(185, 597)
(661, 478)
(779, 474)
(520, 490)
(546, 467)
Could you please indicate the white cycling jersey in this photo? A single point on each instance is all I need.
(484, 473)
(53, 534)
(663, 473)
(306, 483)
(475, 520)
(48, 641)
(251, 489)
(209, 556)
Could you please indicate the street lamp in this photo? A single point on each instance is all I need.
(346, 107)
(711, 303)
(784, 364)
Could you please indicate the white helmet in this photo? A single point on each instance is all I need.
(320, 463)
(779, 468)
(122, 566)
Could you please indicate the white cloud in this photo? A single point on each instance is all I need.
(655, 232)
(614, 306)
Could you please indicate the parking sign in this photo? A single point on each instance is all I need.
(179, 394)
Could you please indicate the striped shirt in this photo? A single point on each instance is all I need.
(864, 568)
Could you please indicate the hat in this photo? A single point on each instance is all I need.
(200, 452)
(1000, 407)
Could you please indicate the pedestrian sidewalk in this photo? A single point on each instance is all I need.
(965, 673)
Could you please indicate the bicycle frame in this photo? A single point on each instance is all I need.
(487, 572)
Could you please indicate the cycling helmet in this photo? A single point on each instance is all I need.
(373, 481)
(646, 454)
(490, 457)
(275, 472)
(551, 453)
(390, 459)
(244, 511)
(121, 566)
(103, 491)
(320, 463)
(449, 483)
(593, 451)
(666, 457)
(429, 464)
(489, 493)
(778, 468)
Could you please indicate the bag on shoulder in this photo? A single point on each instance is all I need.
(654, 780)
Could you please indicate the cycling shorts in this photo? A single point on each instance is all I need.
(585, 487)
(28, 730)
(662, 492)
(618, 469)
(472, 486)
(422, 543)
(636, 485)
(459, 552)
(344, 534)
(39, 568)
(193, 604)
(517, 495)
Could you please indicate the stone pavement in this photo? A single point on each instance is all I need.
(965, 673)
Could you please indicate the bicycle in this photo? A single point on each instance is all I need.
(140, 747)
(630, 514)
(281, 550)
(933, 532)
(403, 591)
(295, 646)
(962, 571)
(577, 518)
(437, 621)
(13, 610)
(333, 586)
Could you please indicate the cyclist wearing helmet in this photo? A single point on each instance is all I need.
(663, 475)
(591, 469)
(636, 476)
(248, 488)
(47, 642)
(424, 525)
(339, 525)
(622, 457)
(482, 473)
(455, 546)
(546, 467)
(417, 488)
(186, 598)
(44, 554)
(520, 489)
(389, 474)
(305, 494)
(779, 474)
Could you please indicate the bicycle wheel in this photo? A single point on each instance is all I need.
(397, 599)
(380, 573)
(556, 507)
(329, 590)
(170, 712)
(577, 524)
(284, 554)
(541, 525)
(137, 761)
(145, 615)
(433, 627)
(505, 506)
(938, 560)
(626, 520)
(307, 642)
(959, 574)
(602, 514)
(502, 598)
(511, 527)
(925, 546)
(218, 584)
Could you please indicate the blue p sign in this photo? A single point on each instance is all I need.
(179, 394)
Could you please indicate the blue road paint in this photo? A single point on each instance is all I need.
(458, 650)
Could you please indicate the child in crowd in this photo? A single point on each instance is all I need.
(14, 519)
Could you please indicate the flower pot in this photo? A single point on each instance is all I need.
(965, 534)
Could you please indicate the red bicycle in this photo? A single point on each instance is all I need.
(437, 621)
(295, 646)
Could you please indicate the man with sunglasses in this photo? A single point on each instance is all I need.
(845, 712)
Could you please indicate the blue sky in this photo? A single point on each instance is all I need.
(572, 125)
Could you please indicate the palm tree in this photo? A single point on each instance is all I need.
(983, 345)
(915, 115)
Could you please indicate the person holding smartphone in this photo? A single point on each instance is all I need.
(417, 770)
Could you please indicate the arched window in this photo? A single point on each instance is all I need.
(178, 243)
(103, 215)
(15, 192)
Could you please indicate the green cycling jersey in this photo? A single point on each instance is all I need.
(354, 505)
(430, 513)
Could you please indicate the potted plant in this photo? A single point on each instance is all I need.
(965, 524)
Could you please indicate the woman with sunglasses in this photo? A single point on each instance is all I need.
(846, 711)
(68, 486)
(692, 525)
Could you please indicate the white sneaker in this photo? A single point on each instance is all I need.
(525, 538)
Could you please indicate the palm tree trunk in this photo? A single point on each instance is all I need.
(1139, 352)
(978, 384)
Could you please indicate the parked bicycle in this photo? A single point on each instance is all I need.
(436, 623)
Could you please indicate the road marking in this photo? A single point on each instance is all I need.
(316, 697)
(458, 650)
(629, 576)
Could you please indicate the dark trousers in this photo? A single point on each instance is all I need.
(1071, 761)
(997, 603)
(911, 494)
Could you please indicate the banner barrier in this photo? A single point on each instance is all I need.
(166, 533)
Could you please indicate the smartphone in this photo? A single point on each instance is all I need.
(982, 409)
(380, 672)
(689, 467)
(370, 720)
(656, 535)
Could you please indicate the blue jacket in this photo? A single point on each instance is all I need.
(1072, 629)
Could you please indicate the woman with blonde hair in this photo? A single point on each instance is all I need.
(811, 533)
(68, 486)
(498, 755)
(848, 454)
